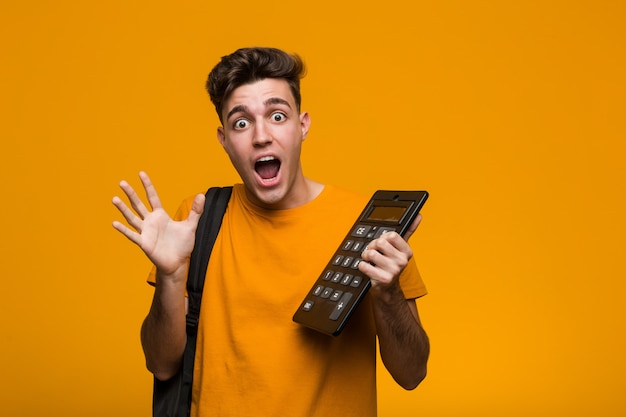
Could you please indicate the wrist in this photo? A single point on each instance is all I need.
(173, 278)
(387, 294)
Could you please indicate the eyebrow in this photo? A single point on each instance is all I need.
(244, 109)
(276, 100)
(240, 108)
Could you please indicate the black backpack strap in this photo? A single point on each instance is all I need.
(208, 227)
(172, 398)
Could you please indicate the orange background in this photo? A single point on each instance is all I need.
(510, 113)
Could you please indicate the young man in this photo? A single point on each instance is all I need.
(279, 230)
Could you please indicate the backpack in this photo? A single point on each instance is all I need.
(172, 398)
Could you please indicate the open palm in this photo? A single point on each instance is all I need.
(167, 243)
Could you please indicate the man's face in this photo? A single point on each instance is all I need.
(262, 135)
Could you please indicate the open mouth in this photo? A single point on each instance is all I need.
(267, 167)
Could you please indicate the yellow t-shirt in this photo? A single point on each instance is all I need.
(251, 358)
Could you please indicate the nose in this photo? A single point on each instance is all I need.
(262, 134)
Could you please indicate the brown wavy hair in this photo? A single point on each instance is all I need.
(247, 65)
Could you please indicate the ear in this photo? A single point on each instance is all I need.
(221, 137)
(305, 124)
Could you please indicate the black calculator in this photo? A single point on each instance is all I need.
(341, 286)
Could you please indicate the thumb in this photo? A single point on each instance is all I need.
(413, 227)
(197, 208)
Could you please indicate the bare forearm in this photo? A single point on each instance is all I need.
(404, 345)
(163, 333)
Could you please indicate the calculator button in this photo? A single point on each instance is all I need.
(328, 275)
(384, 230)
(361, 230)
(347, 261)
(347, 279)
(308, 305)
(337, 277)
(358, 246)
(356, 281)
(318, 290)
(341, 305)
(338, 259)
(355, 264)
(347, 245)
(336, 295)
(327, 292)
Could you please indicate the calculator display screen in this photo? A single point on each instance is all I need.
(386, 213)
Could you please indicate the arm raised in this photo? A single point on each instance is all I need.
(168, 244)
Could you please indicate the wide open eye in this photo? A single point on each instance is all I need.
(240, 124)
(278, 117)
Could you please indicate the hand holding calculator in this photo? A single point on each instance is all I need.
(341, 286)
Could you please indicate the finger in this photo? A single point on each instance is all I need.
(197, 208)
(413, 227)
(369, 270)
(372, 256)
(376, 270)
(379, 253)
(151, 193)
(128, 214)
(134, 199)
(388, 250)
(388, 243)
(132, 236)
